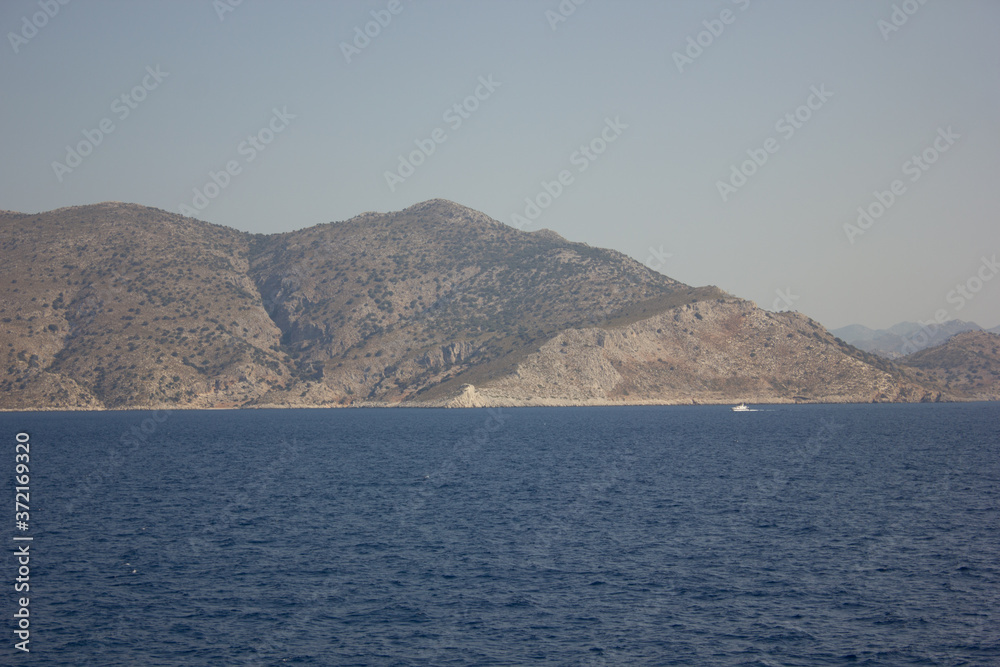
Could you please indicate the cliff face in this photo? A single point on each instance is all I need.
(117, 305)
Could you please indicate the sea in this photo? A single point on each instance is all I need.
(692, 535)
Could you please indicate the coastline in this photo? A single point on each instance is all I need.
(539, 403)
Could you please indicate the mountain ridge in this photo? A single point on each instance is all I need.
(903, 338)
(116, 305)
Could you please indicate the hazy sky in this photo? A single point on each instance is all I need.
(722, 142)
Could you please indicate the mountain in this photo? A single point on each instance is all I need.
(855, 332)
(118, 305)
(384, 307)
(966, 364)
(903, 338)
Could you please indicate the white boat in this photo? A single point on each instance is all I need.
(742, 407)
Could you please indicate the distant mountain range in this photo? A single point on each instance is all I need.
(122, 306)
(904, 338)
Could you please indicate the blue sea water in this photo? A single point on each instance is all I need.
(795, 535)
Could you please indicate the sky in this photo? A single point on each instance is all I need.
(835, 157)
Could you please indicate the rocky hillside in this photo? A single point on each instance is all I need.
(968, 364)
(118, 305)
(384, 307)
(711, 351)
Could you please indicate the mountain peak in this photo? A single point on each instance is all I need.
(437, 204)
(448, 211)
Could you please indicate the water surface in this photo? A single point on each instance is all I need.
(796, 535)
